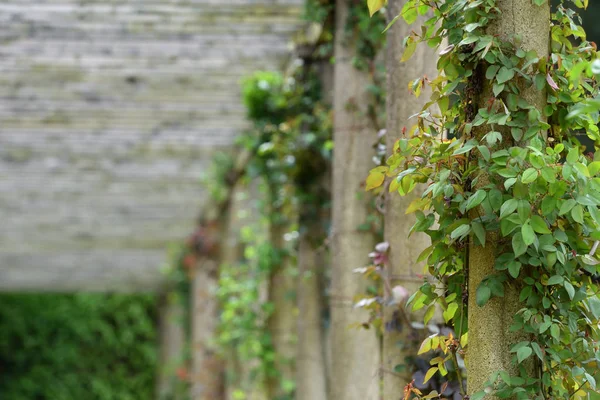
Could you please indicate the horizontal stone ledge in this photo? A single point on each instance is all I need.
(90, 271)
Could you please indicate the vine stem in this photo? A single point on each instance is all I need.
(578, 389)
(463, 392)
(594, 248)
(460, 326)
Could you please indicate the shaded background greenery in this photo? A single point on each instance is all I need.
(77, 347)
(590, 21)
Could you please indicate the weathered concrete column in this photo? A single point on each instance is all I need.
(207, 377)
(215, 246)
(282, 322)
(171, 316)
(355, 352)
(489, 337)
(398, 339)
(311, 374)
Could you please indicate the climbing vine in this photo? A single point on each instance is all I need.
(291, 149)
(504, 172)
(243, 323)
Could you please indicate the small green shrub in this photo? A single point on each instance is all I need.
(77, 347)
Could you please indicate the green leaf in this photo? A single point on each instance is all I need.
(423, 9)
(429, 314)
(540, 81)
(392, 22)
(548, 174)
(478, 396)
(497, 89)
(529, 175)
(523, 353)
(485, 152)
(555, 331)
(573, 155)
(508, 207)
(539, 225)
(460, 231)
(548, 205)
(567, 206)
(546, 302)
(524, 210)
(577, 214)
(537, 350)
(591, 380)
(430, 374)
(567, 171)
(595, 213)
(472, 26)
(476, 199)
(544, 326)
(555, 280)
(586, 200)
(569, 288)
(491, 72)
(409, 12)
(505, 75)
(525, 293)
(581, 169)
(375, 179)
(444, 103)
(375, 5)
(465, 147)
(514, 268)
(507, 226)
(517, 134)
(495, 199)
(518, 245)
(561, 236)
(594, 168)
(528, 233)
(479, 231)
(506, 172)
(509, 183)
(483, 295)
(594, 303)
(411, 46)
(450, 311)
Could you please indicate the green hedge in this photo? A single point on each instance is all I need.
(77, 347)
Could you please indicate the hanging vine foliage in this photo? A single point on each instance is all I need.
(291, 147)
(513, 172)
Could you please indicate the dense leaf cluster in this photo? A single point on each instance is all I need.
(515, 177)
(73, 347)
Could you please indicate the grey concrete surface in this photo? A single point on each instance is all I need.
(109, 111)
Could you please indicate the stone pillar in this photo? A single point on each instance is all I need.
(171, 326)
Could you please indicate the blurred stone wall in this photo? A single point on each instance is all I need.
(109, 110)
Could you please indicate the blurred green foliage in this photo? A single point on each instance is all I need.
(366, 34)
(264, 98)
(321, 12)
(243, 324)
(291, 148)
(77, 347)
(590, 18)
(292, 130)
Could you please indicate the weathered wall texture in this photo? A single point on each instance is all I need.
(108, 111)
